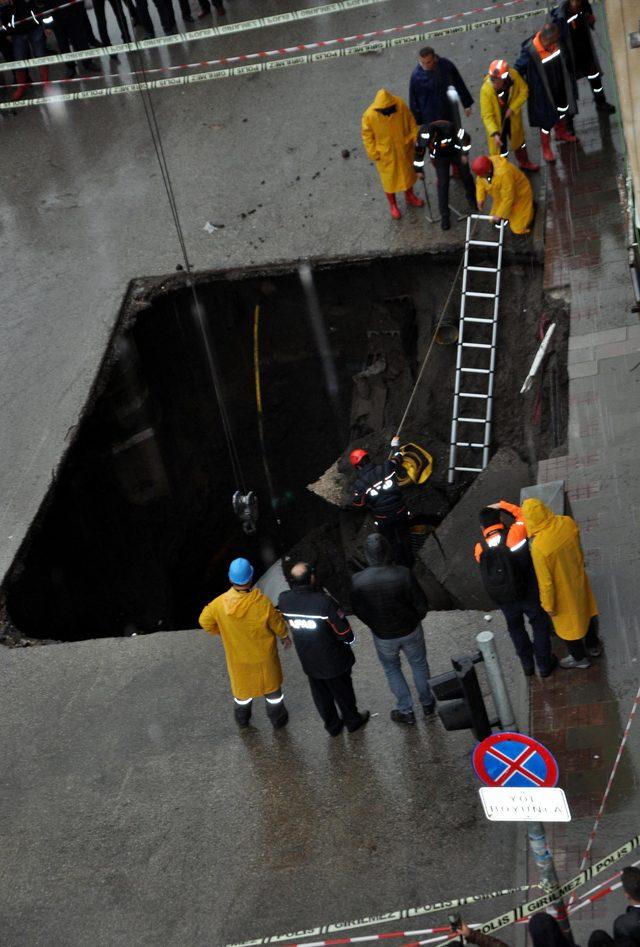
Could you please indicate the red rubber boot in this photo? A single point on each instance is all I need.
(562, 132)
(44, 77)
(412, 198)
(522, 158)
(545, 141)
(395, 210)
(17, 94)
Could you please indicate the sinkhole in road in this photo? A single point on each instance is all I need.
(137, 530)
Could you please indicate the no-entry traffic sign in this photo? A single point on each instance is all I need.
(514, 760)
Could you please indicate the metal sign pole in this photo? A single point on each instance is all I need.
(499, 692)
(547, 873)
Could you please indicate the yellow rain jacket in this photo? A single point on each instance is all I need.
(565, 590)
(248, 624)
(510, 192)
(389, 140)
(492, 114)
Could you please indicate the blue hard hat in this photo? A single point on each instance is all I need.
(240, 572)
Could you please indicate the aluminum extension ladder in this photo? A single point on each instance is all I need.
(476, 334)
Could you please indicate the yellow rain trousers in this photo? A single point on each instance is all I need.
(389, 140)
(248, 624)
(492, 114)
(565, 590)
(510, 192)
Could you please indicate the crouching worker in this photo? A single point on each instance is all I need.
(509, 189)
(249, 625)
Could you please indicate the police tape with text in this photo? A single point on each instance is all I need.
(261, 66)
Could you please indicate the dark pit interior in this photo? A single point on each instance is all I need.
(138, 528)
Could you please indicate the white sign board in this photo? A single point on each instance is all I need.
(502, 804)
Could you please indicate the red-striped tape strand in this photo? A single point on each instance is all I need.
(614, 769)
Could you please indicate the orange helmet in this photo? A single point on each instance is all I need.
(357, 456)
(482, 166)
(499, 69)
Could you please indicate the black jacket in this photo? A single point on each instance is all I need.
(386, 597)
(628, 925)
(428, 99)
(377, 488)
(320, 631)
(440, 139)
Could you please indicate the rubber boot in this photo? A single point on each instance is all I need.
(545, 141)
(412, 199)
(601, 103)
(17, 94)
(562, 132)
(44, 78)
(523, 159)
(395, 210)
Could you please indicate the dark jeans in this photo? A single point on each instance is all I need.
(29, 45)
(577, 648)
(101, 19)
(540, 649)
(331, 691)
(276, 710)
(442, 165)
(397, 533)
(414, 649)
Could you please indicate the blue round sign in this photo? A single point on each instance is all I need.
(516, 761)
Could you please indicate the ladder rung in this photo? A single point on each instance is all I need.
(476, 371)
(481, 295)
(470, 469)
(474, 420)
(470, 394)
(475, 345)
(476, 319)
(483, 269)
(469, 444)
(484, 243)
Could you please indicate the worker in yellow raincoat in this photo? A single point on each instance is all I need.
(502, 96)
(509, 189)
(389, 133)
(249, 626)
(565, 590)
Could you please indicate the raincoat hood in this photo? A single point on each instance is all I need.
(383, 99)
(537, 516)
(240, 603)
(377, 550)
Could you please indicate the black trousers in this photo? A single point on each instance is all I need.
(577, 648)
(442, 165)
(332, 691)
(101, 20)
(528, 651)
(396, 532)
(165, 11)
(276, 709)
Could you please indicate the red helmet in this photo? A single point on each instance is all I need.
(482, 166)
(499, 69)
(357, 456)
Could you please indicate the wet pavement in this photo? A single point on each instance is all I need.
(581, 715)
(134, 812)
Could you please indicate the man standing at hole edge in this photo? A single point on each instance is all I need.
(448, 148)
(546, 68)
(510, 581)
(249, 625)
(435, 88)
(389, 600)
(377, 489)
(323, 638)
(577, 23)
